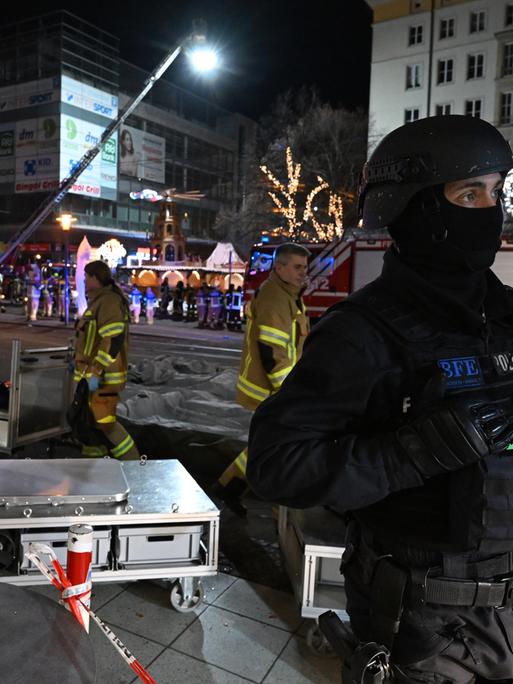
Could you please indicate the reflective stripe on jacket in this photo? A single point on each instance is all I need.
(101, 343)
(276, 318)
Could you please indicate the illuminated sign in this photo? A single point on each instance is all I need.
(7, 143)
(99, 179)
(30, 94)
(37, 156)
(86, 97)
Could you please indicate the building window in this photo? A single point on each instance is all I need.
(475, 66)
(477, 21)
(415, 34)
(507, 60)
(413, 76)
(446, 28)
(445, 70)
(506, 108)
(443, 109)
(473, 107)
(508, 19)
(411, 114)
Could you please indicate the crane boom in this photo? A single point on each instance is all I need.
(56, 197)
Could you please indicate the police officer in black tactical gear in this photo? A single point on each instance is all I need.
(400, 413)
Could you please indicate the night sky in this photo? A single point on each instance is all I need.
(267, 46)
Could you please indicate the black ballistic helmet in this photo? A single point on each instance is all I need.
(427, 152)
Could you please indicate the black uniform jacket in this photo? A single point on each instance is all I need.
(327, 437)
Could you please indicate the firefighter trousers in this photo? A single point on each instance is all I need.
(236, 469)
(103, 407)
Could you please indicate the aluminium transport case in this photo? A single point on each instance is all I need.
(151, 520)
(312, 544)
(40, 394)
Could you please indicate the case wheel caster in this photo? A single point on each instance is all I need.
(186, 595)
(317, 642)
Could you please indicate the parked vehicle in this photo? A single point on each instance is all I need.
(335, 270)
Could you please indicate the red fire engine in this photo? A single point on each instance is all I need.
(335, 269)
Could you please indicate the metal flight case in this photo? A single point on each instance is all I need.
(312, 544)
(151, 520)
(39, 396)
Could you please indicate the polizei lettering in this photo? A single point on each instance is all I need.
(503, 362)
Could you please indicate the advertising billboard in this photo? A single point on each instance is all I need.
(30, 94)
(86, 97)
(7, 150)
(99, 179)
(142, 154)
(37, 154)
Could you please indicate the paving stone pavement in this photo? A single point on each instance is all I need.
(241, 632)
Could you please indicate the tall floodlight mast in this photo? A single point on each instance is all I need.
(194, 42)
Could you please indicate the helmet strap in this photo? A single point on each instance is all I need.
(430, 207)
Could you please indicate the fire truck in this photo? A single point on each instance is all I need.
(338, 268)
(335, 269)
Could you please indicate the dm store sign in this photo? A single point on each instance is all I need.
(99, 179)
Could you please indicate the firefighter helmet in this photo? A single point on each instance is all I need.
(423, 153)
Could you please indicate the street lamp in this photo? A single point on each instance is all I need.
(66, 221)
(203, 59)
(195, 44)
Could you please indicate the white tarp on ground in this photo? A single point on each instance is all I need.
(183, 394)
(220, 257)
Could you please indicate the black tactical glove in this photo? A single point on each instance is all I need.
(456, 433)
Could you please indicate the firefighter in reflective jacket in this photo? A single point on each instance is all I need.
(276, 328)
(101, 356)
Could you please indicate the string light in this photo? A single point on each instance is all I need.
(288, 208)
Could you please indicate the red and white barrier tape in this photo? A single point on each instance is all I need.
(78, 567)
(62, 583)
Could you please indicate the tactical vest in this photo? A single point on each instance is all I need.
(469, 510)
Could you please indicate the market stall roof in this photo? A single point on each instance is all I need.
(223, 256)
(174, 266)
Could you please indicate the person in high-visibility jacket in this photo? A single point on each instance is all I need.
(276, 328)
(101, 357)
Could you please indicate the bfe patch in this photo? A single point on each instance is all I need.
(462, 371)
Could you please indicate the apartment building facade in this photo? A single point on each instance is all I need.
(435, 57)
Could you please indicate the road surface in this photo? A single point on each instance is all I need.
(166, 337)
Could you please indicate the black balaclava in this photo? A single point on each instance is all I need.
(450, 246)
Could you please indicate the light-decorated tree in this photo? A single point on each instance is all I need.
(328, 141)
(320, 202)
(286, 205)
(325, 232)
